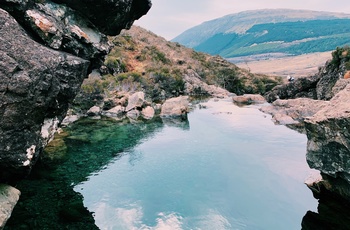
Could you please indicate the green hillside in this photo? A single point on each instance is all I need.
(277, 31)
(293, 38)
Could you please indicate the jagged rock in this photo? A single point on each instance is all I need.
(328, 132)
(38, 83)
(248, 99)
(301, 87)
(321, 86)
(94, 111)
(340, 85)
(133, 114)
(115, 112)
(175, 107)
(136, 101)
(329, 75)
(8, 199)
(194, 85)
(148, 113)
(73, 26)
(293, 111)
(70, 119)
(110, 16)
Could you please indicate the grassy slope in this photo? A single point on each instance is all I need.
(292, 38)
(141, 60)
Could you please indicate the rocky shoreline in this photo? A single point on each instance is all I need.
(47, 48)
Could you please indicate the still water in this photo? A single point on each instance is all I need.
(225, 168)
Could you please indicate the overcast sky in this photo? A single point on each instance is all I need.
(169, 18)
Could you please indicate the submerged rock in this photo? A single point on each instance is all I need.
(8, 199)
(248, 99)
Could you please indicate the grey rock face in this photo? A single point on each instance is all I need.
(37, 84)
(328, 134)
(321, 86)
(110, 16)
(46, 50)
(301, 87)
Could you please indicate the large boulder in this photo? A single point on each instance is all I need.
(110, 16)
(37, 85)
(46, 50)
(175, 107)
(136, 101)
(76, 26)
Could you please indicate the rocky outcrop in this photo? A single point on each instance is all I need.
(328, 146)
(293, 111)
(301, 87)
(8, 199)
(321, 86)
(46, 50)
(37, 85)
(195, 86)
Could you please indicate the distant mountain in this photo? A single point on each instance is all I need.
(270, 31)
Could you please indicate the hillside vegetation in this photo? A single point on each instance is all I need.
(143, 61)
(290, 32)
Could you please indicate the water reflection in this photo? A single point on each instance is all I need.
(232, 170)
(48, 199)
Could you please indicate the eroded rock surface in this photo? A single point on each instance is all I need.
(328, 134)
(46, 50)
(321, 86)
(293, 111)
(37, 85)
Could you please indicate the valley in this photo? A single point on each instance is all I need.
(296, 66)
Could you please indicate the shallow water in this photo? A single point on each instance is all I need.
(226, 168)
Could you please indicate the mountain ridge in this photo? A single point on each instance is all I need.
(238, 31)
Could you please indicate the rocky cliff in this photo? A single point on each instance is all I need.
(46, 50)
(327, 125)
(330, 79)
(328, 146)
